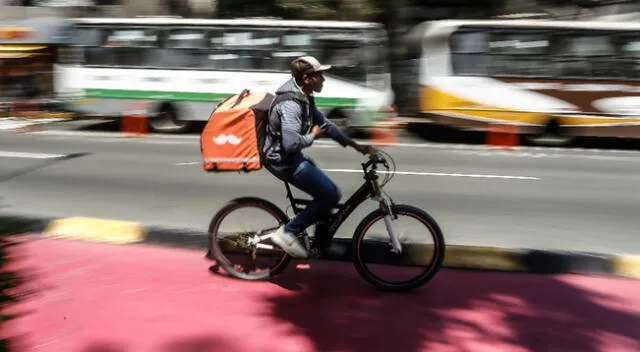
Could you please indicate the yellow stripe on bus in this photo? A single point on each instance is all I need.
(433, 100)
(436, 101)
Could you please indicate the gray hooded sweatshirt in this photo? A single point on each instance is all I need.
(295, 125)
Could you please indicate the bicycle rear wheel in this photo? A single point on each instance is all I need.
(230, 240)
(422, 251)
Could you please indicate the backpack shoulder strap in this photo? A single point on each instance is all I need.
(280, 98)
(286, 96)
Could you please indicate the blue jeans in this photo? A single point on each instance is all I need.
(304, 175)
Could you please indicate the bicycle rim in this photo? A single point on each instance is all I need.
(230, 249)
(423, 253)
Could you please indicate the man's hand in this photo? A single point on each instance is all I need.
(365, 149)
(317, 131)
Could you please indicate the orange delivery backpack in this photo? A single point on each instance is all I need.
(233, 137)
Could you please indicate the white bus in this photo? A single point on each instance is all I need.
(180, 68)
(554, 79)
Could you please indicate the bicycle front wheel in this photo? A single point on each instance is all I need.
(231, 234)
(422, 243)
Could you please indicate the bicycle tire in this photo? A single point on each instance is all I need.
(424, 277)
(216, 253)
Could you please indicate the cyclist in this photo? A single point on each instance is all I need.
(299, 123)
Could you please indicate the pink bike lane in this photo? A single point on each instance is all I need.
(90, 297)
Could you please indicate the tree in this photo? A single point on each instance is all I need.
(306, 9)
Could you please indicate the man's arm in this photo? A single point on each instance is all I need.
(330, 128)
(291, 125)
(336, 133)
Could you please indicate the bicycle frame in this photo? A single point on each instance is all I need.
(369, 189)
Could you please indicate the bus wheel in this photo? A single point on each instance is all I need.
(166, 121)
(551, 135)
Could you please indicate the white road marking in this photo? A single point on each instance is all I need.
(116, 135)
(24, 155)
(507, 177)
(163, 142)
(12, 123)
(411, 173)
(506, 153)
(601, 156)
(477, 149)
(612, 155)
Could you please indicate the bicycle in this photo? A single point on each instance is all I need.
(257, 242)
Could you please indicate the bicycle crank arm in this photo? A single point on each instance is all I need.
(265, 237)
(257, 239)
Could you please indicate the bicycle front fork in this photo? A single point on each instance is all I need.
(389, 216)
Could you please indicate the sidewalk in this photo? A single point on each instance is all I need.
(92, 297)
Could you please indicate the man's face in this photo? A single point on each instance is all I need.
(315, 80)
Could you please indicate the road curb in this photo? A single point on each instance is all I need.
(457, 256)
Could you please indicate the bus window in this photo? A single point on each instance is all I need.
(630, 55)
(468, 53)
(186, 39)
(519, 55)
(132, 46)
(183, 48)
(247, 49)
(98, 56)
(345, 60)
(348, 54)
(88, 44)
(375, 56)
(294, 43)
(581, 56)
(87, 36)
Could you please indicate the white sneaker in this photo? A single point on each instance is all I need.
(289, 243)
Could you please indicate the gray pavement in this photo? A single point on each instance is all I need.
(530, 198)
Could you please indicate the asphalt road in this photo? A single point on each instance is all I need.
(583, 200)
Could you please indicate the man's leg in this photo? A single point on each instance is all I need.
(326, 195)
(282, 238)
(311, 180)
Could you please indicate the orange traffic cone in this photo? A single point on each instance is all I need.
(134, 123)
(36, 127)
(384, 131)
(503, 136)
(383, 136)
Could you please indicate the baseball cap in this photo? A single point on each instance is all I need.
(314, 63)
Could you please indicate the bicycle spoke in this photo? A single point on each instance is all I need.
(235, 240)
(422, 249)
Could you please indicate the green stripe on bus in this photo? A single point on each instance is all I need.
(201, 97)
(153, 95)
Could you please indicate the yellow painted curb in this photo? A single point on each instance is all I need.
(97, 230)
(395, 126)
(482, 258)
(627, 266)
(45, 115)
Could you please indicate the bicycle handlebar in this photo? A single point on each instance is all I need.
(374, 159)
(379, 157)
